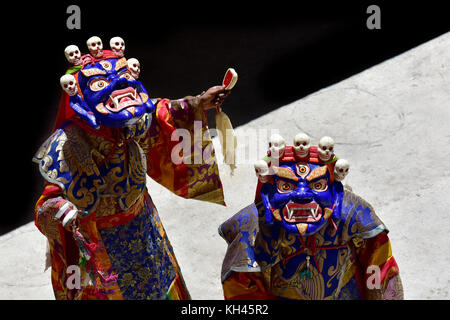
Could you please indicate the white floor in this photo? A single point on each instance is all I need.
(390, 121)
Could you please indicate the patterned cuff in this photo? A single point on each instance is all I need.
(52, 205)
(60, 209)
(186, 103)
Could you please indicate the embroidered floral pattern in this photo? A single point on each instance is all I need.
(141, 255)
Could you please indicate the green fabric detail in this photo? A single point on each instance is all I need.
(74, 69)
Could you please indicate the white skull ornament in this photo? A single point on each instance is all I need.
(134, 67)
(117, 45)
(302, 143)
(277, 145)
(95, 46)
(325, 149)
(68, 84)
(262, 171)
(73, 54)
(341, 168)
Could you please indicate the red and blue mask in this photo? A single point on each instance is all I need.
(302, 193)
(107, 91)
(110, 95)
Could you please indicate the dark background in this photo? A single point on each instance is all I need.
(282, 51)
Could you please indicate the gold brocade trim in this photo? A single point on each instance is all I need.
(215, 196)
(297, 287)
(107, 206)
(120, 218)
(71, 158)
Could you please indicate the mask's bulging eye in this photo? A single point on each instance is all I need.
(126, 75)
(284, 186)
(319, 186)
(98, 84)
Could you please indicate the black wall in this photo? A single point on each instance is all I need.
(281, 50)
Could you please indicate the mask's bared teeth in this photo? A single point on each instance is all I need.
(114, 102)
(313, 212)
(290, 213)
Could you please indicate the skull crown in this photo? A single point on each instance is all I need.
(95, 46)
(301, 150)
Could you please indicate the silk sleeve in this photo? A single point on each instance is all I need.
(379, 270)
(180, 153)
(63, 249)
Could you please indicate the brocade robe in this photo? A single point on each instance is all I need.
(120, 246)
(349, 258)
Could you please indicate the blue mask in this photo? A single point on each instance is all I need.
(301, 197)
(110, 96)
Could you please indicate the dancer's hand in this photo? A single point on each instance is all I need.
(213, 97)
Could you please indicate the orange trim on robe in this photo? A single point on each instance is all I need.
(245, 286)
(160, 165)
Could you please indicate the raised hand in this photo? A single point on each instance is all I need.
(214, 97)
